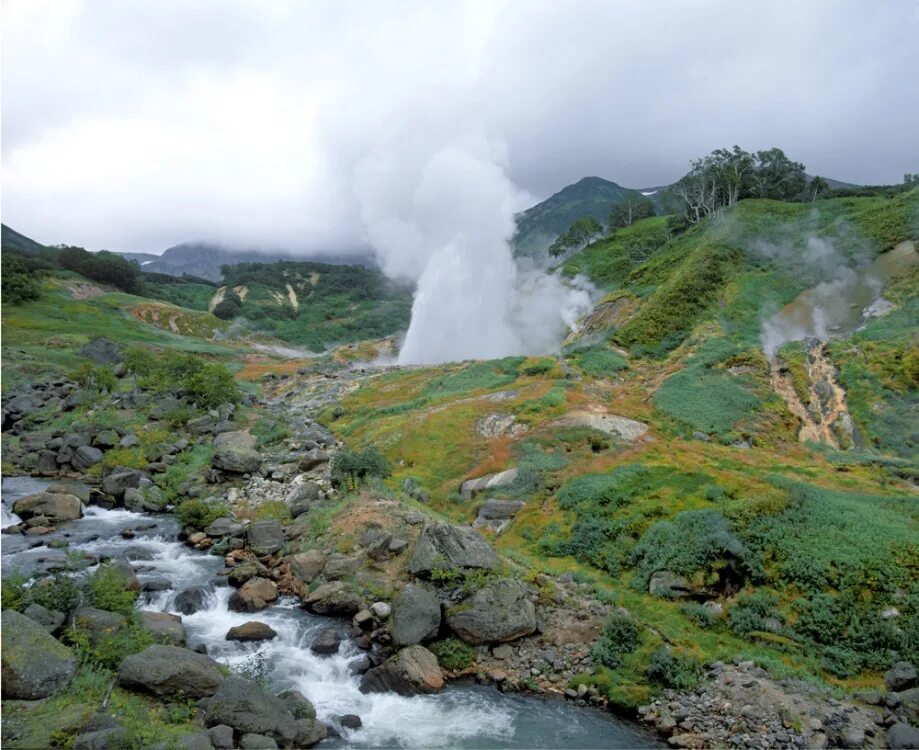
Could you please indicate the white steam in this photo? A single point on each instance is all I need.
(444, 217)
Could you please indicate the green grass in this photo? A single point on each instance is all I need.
(709, 401)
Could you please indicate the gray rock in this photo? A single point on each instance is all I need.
(335, 599)
(298, 704)
(265, 537)
(235, 452)
(412, 671)
(121, 479)
(248, 708)
(50, 619)
(106, 439)
(500, 611)
(351, 721)
(669, 585)
(33, 664)
(190, 600)
(442, 546)
(113, 738)
(340, 566)
(86, 456)
(309, 732)
(149, 499)
(169, 670)
(221, 737)
(52, 505)
(306, 566)
(102, 350)
(900, 676)
(415, 616)
(166, 628)
(301, 498)
(246, 571)
(313, 458)
(97, 624)
(903, 737)
(473, 487)
(195, 741)
(125, 571)
(201, 425)
(327, 642)
(224, 527)
(253, 596)
(497, 514)
(252, 741)
(251, 631)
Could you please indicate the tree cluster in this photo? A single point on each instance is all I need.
(103, 266)
(19, 283)
(627, 212)
(726, 176)
(581, 233)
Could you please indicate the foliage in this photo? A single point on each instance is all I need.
(673, 669)
(229, 307)
(106, 590)
(97, 377)
(351, 468)
(600, 361)
(60, 592)
(614, 490)
(209, 384)
(199, 514)
(693, 541)
(627, 212)
(453, 654)
(751, 610)
(111, 648)
(13, 591)
(706, 400)
(18, 283)
(487, 375)
(581, 232)
(103, 266)
(620, 636)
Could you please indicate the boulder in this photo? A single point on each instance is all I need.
(149, 499)
(327, 642)
(166, 628)
(85, 456)
(306, 566)
(119, 480)
(473, 487)
(265, 537)
(901, 676)
(33, 664)
(221, 737)
(340, 566)
(412, 671)
(498, 612)
(415, 616)
(351, 721)
(669, 585)
(106, 439)
(252, 741)
(201, 425)
(381, 609)
(195, 741)
(170, 670)
(497, 514)
(50, 619)
(246, 570)
(190, 600)
(301, 498)
(102, 350)
(246, 707)
(224, 527)
(54, 506)
(254, 595)
(335, 599)
(251, 631)
(903, 737)
(313, 458)
(298, 704)
(125, 571)
(235, 452)
(110, 738)
(309, 732)
(442, 546)
(97, 624)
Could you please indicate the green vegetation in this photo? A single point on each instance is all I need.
(103, 266)
(706, 400)
(209, 384)
(198, 514)
(581, 233)
(18, 282)
(600, 361)
(351, 468)
(620, 636)
(453, 654)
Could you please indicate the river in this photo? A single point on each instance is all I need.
(462, 716)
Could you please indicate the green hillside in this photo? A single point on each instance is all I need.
(13, 240)
(537, 227)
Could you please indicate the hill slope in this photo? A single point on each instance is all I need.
(13, 240)
(537, 227)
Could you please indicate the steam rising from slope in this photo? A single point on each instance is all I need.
(443, 217)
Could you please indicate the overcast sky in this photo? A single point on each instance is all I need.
(135, 125)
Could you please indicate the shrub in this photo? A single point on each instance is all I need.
(751, 610)
(59, 592)
(200, 513)
(106, 590)
(212, 385)
(228, 308)
(103, 266)
(110, 650)
(706, 400)
(100, 377)
(18, 284)
(601, 489)
(620, 636)
(351, 468)
(674, 670)
(13, 591)
(453, 654)
(700, 615)
(600, 361)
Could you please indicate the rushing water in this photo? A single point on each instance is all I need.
(463, 716)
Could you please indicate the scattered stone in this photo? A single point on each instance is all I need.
(221, 737)
(254, 595)
(900, 676)
(97, 623)
(50, 619)
(166, 628)
(235, 452)
(381, 610)
(190, 600)
(497, 514)
(334, 598)
(306, 566)
(252, 741)
(251, 631)
(245, 571)
(351, 721)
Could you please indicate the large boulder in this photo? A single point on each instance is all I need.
(166, 628)
(340, 566)
(246, 570)
(900, 676)
(442, 546)
(473, 487)
(251, 631)
(149, 498)
(412, 671)
(415, 616)
(301, 498)
(102, 350)
(224, 527)
(254, 595)
(265, 537)
(169, 670)
(33, 663)
(235, 452)
(306, 566)
(121, 479)
(669, 585)
(190, 600)
(500, 611)
(55, 506)
(50, 619)
(97, 624)
(497, 514)
(334, 599)
(903, 737)
(85, 456)
(248, 708)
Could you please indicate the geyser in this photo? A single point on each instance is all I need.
(446, 222)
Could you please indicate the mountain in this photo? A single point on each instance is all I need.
(203, 260)
(537, 227)
(13, 240)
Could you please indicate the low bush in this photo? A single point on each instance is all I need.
(751, 610)
(620, 636)
(453, 654)
(351, 468)
(198, 514)
(674, 670)
(106, 590)
(600, 361)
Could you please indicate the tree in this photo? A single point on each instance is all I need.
(627, 212)
(818, 186)
(581, 233)
(229, 307)
(911, 179)
(351, 468)
(18, 283)
(777, 177)
(103, 266)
